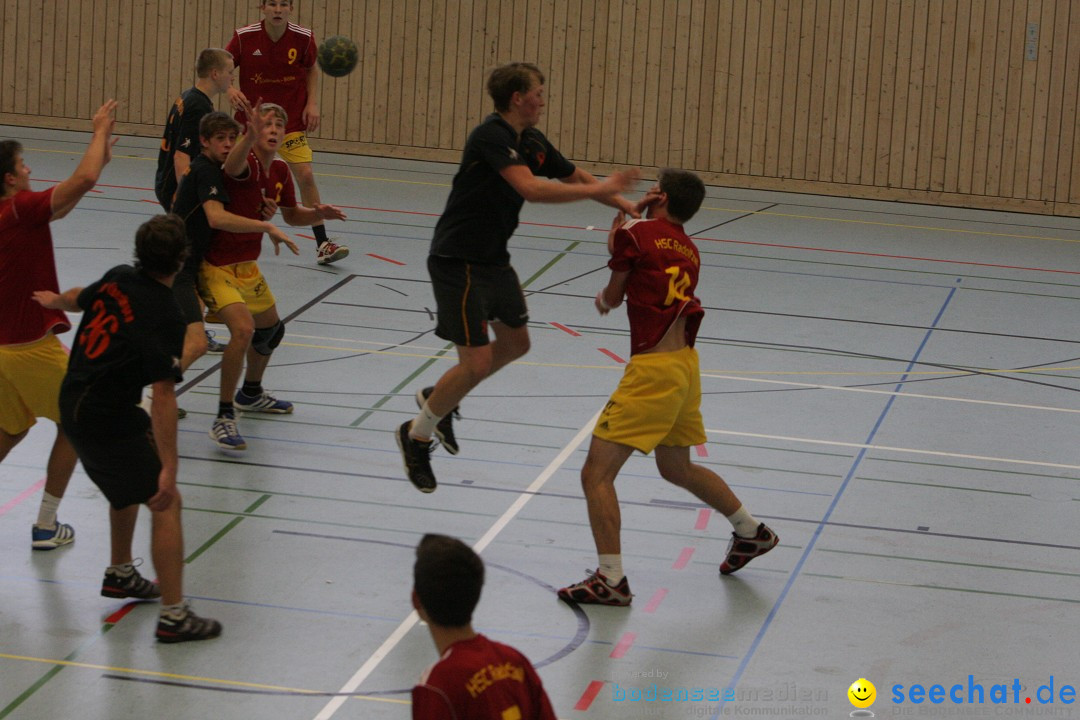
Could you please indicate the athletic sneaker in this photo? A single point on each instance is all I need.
(416, 455)
(46, 539)
(445, 429)
(596, 590)
(213, 346)
(265, 403)
(187, 627)
(132, 586)
(225, 433)
(742, 550)
(329, 252)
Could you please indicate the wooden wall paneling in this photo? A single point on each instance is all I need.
(8, 16)
(984, 77)
(652, 81)
(46, 65)
(621, 69)
(383, 68)
(35, 64)
(803, 88)
(84, 60)
(954, 148)
(861, 33)
(586, 64)
(401, 76)
(792, 50)
(815, 127)
(59, 40)
(1054, 157)
(327, 21)
(849, 19)
(708, 106)
(759, 119)
(562, 87)
(927, 120)
(733, 107)
(569, 15)
(20, 48)
(1026, 118)
(1014, 94)
(352, 85)
(436, 10)
(1068, 177)
(595, 118)
(418, 50)
(831, 90)
(695, 102)
(875, 61)
(680, 143)
(481, 63)
(1003, 44)
(609, 86)
(142, 62)
(530, 47)
(455, 106)
(1040, 147)
(744, 127)
(372, 56)
(775, 84)
(122, 84)
(942, 104)
(909, 149)
(883, 162)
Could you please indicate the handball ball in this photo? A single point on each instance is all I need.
(338, 56)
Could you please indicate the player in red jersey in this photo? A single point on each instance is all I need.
(230, 281)
(32, 360)
(475, 678)
(657, 404)
(275, 59)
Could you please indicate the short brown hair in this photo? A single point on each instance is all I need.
(211, 59)
(447, 578)
(685, 192)
(10, 150)
(215, 122)
(161, 245)
(277, 110)
(506, 80)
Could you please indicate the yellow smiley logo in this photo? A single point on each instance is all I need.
(862, 693)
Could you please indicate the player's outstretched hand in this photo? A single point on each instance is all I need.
(47, 299)
(623, 180)
(329, 212)
(279, 238)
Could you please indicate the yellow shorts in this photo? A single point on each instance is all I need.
(295, 149)
(658, 402)
(231, 284)
(30, 377)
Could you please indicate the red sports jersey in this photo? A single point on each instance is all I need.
(479, 679)
(245, 199)
(663, 264)
(27, 263)
(275, 71)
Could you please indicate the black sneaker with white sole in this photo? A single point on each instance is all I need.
(416, 455)
(445, 429)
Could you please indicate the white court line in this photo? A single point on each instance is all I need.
(936, 453)
(407, 624)
(947, 398)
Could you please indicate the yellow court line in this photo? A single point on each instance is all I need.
(189, 678)
(895, 225)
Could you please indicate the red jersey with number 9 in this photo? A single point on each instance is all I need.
(663, 264)
(274, 71)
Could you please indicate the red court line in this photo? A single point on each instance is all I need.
(702, 451)
(121, 613)
(32, 490)
(564, 328)
(121, 187)
(612, 355)
(703, 519)
(684, 559)
(656, 600)
(380, 257)
(306, 237)
(155, 202)
(624, 645)
(589, 695)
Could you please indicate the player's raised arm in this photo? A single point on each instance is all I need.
(97, 156)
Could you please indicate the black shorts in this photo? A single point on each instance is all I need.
(119, 455)
(187, 297)
(469, 295)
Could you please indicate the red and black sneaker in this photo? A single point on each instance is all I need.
(129, 586)
(742, 550)
(188, 626)
(596, 590)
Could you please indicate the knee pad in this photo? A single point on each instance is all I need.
(266, 339)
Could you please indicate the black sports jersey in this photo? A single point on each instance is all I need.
(181, 134)
(482, 211)
(131, 335)
(203, 181)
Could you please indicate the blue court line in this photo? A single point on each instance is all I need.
(832, 506)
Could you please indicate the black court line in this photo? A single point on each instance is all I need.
(299, 311)
(739, 217)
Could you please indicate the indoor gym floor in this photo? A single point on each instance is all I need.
(892, 387)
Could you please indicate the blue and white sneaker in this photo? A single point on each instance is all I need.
(50, 539)
(225, 433)
(265, 403)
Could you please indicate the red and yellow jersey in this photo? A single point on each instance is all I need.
(277, 72)
(245, 199)
(663, 264)
(478, 679)
(27, 263)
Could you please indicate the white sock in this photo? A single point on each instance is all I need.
(423, 425)
(744, 524)
(611, 568)
(148, 400)
(46, 517)
(123, 569)
(174, 612)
